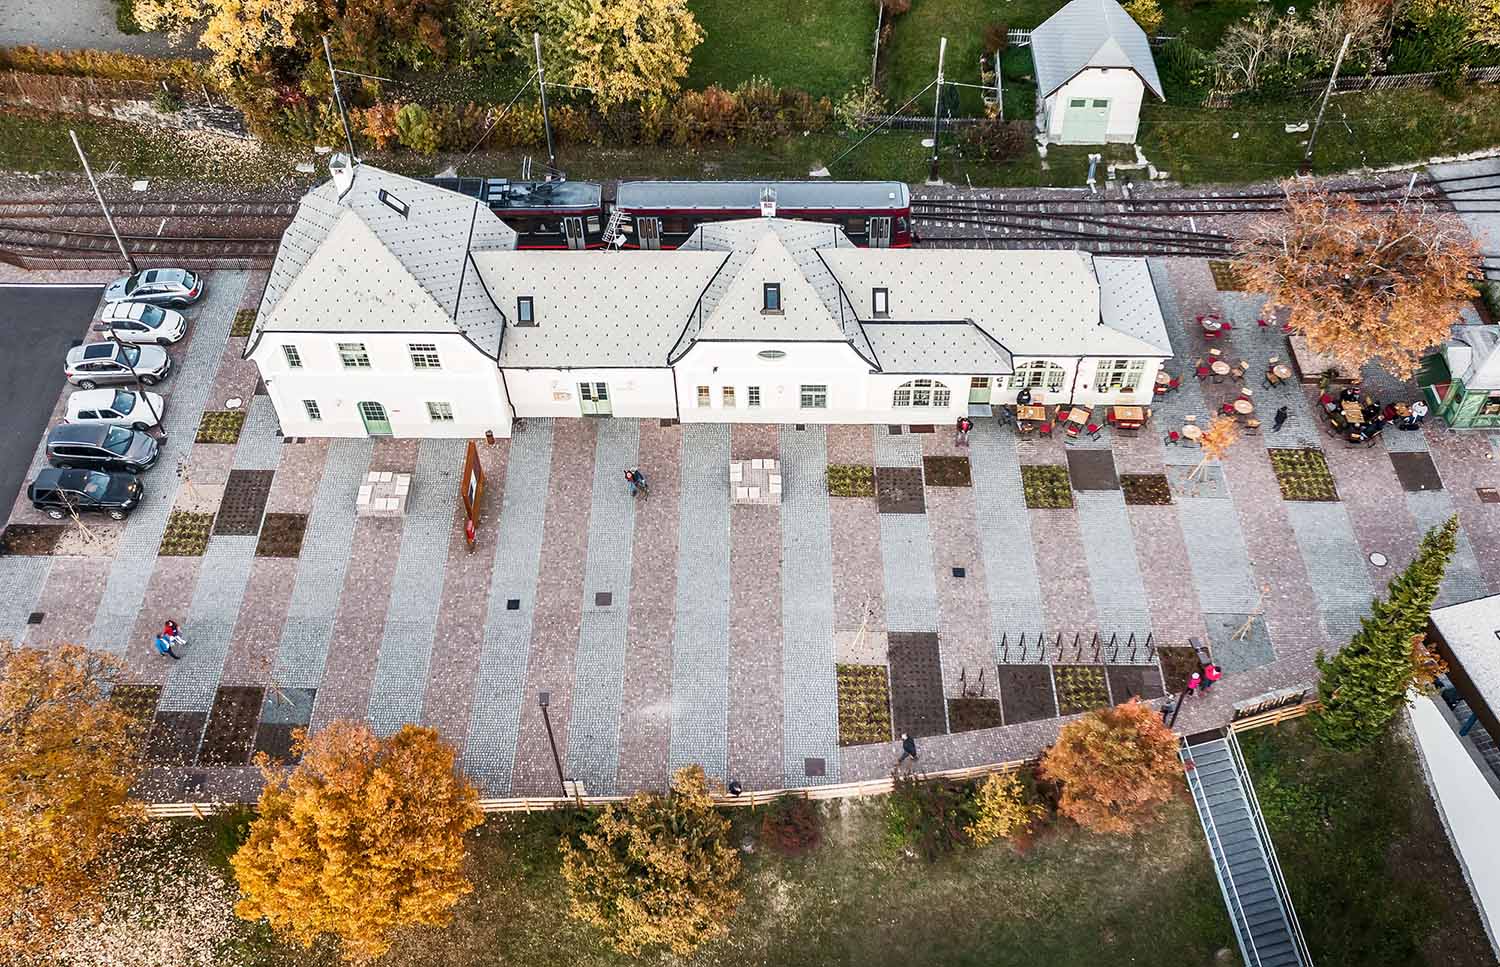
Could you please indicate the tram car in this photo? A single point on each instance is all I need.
(544, 214)
(662, 214)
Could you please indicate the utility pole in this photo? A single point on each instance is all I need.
(1306, 168)
(338, 98)
(937, 106)
(541, 83)
(108, 218)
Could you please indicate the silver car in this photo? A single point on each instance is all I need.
(142, 322)
(110, 363)
(177, 288)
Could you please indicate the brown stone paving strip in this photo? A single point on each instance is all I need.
(559, 603)
(297, 477)
(1376, 504)
(754, 753)
(349, 672)
(466, 587)
(858, 578)
(646, 712)
(1167, 576)
(68, 600)
(1062, 570)
(963, 615)
(257, 630)
(1466, 462)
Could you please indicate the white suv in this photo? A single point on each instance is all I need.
(142, 322)
(120, 407)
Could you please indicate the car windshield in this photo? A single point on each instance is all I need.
(132, 282)
(117, 440)
(124, 401)
(96, 485)
(152, 316)
(131, 355)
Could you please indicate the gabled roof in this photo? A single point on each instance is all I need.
(1482, 370)
(1091, 33)
(937, 347)
(355, 261)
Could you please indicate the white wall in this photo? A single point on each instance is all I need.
(637, 393)
(468, 381)
(1124, 90)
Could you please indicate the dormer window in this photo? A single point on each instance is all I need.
(394, 204)
(771, 298)
(525, 313)
(880, 302)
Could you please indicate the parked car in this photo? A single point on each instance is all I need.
(142, 322)
(58, 493)
(177, 288)
(101, 446)
(108, 362)
(115, 407)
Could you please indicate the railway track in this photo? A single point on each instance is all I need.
(198, 208)
(54, 243)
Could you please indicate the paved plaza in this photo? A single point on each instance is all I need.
(685, 628)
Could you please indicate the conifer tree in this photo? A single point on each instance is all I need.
(1365, 685)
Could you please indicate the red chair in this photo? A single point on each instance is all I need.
(1227, 409)
(1173, 437)
(1263, 323)
(1203, 370)
(1225, 326)
(1045, 429)
(1109, 417)
(1093, 430)
(1174, 383)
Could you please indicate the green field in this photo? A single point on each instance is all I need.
(823, 47)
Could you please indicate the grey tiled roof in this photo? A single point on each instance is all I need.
(1483, 344)
(1090, 33)
(936, 347)
(1472, 631)
(1128, 303)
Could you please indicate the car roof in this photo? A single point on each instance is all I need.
(92, 398)
(79, 433)
(53, 477)
(127, 310)
(95, 350)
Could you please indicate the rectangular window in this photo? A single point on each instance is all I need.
(880, 302)
(752, 396)
(424, 355)
(1118, 375)
(814, 396)
(729, 397)
(525, 316)
(703, 396)
(293, 358)
(353, 355)
(313, 412)
(1099, 103)
(1078, 102)
(440, 412)
(771, 297)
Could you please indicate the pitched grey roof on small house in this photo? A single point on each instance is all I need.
(1090, 33)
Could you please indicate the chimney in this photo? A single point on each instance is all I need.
(342, 169)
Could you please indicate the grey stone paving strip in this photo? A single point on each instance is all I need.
(1335, 565)
(599, 670)
(320, 569)
(1114, 574)
(209, 625)
(1248, 341)
(21, 580)
(810, 713)
(411, 617)
(1011, 584)
(899, 449)
(700, 644)
(490, 749)
(260, 439)
(1169, 411)
(910, 585)
(1464, 581)
(191, 381)
(1217, 556)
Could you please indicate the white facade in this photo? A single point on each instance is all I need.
(636, 393)
(1118, 91)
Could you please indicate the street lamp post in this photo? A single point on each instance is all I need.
(542, 699)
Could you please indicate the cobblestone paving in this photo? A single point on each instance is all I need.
(1011, 586)
(910, 592)
(1119, 594)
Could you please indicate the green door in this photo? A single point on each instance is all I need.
(594, 399)
(979, 390)
(377, 423)
(1085, 120)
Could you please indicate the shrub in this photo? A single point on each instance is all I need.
(377, 123)
(103, 64)
(860, 102)
(1003, 808)
(996, 39)
(167, 101)
(994, 139)
(791, 825)
(895, 8)
(1147, 13)
(930, 816)
(1116, 767)
(415, 125)
(125, 17)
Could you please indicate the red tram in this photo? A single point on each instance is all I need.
(662, 214)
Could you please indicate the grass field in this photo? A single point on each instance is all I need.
(1372, 877)
(822, 47)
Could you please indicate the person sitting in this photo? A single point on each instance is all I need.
(1371, 411)
(1329, 404)
(1389, 413)
(1419, 411)
(1023, 398)
(1350, 394)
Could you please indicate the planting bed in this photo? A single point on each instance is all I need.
(1026, 693)
(231, 726)
(1150, 489)
(1046, 487)
(174, 738)
(284, 711)
(1126, 681)
(847, 480)
(221, 426)
(244, 502)
(1092, 470)
(899, 490)
(138, 702)
(864, 704)
(34, 540)
(281, 535)
(186, 534)
(1080, 688)
(1176, 665)
(1303, 474)
(244, 322)
(968, 714)
(917, 706)
(947, 471)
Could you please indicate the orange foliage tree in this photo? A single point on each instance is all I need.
(1363, 285)
(1216, 440)
(68, 758)
(363, 837)
(1115, 766)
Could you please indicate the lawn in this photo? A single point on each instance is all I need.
(1372, 877)
(823, 48)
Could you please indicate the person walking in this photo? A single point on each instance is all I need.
(637, 481)
(1211, 674)
(164, 647)
(908, 749)
(961, 439)
(1279, 420)
(1194, 680)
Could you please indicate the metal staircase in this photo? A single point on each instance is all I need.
(613, 237)
(1244, 857)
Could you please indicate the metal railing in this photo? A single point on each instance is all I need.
(1059, 649)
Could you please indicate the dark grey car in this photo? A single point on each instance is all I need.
(60, 493)
(175, 288)
(99, 446)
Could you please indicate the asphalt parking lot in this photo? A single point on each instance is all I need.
(37, 324)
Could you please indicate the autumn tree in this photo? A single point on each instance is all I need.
(237, 32)
(627, 50)
(1215, 441)
(655, 872)
(68, 758)
(1363, 285)
(1369, 681)
(363, 837)
(1115, 767)
(1003, 808)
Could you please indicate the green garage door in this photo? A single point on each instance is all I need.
(1085, 120)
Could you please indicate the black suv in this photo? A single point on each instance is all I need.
(100, 446)
(85, 491)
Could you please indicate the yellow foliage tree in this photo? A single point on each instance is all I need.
(1003, 808)
(1363, 285)
(656, 872)
(1147, 13)
(628, 50)
(363, 837)
(1115, 766)
(1216, 440)
(68, 758)
(236, 32)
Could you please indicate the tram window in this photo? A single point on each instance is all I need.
(858, 226)
(522, 226)
(593, 223)
(900, 223)
(548, 226)
(675, 226)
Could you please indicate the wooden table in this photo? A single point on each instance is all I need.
(1163, 377)
(1129, 417)
(1220, 368)
(1191, 431)
(1244, 407)
(1036, 414)
(1352, 412)
(1078, 415)
(1210, 324)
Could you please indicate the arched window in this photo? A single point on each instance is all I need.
(922, 392)
(1038, 374)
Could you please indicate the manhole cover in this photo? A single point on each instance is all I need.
(1488, 495)
(814, 767)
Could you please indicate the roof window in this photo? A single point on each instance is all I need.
(394, 204)
(880, 302)
(525, 311)
(771, 298)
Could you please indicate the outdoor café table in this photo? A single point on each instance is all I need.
(1210, 324)
(1078, 415)
(1220, 367)
(1163, 377)
(1244, 407)
(1129, 417)
(1191, 431)
(1353, 412)
(1035, 414)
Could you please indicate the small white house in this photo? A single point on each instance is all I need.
(1093, 67)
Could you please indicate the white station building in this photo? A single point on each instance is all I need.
(399, 309)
